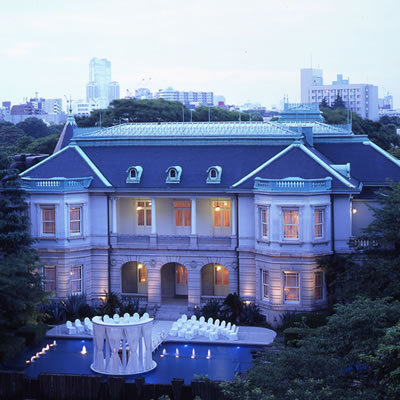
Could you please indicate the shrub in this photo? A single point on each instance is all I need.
(10, 346)
(73, 305)
(210, 310)
(251, 315)
(111, 305)
(53, 312)
(131, 305)
(32, 333)
(291, 336)
(234, 306)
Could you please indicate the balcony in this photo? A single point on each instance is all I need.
(293, 185)
(56, 184)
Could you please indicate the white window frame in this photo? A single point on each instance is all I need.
(46, 281)
(77, 280)
(298, 287)
(80, 207)
(221, 230)
(265, 283)
(262, 223)
(321, 286)
(322, 223)
(42, 208)
(145, 209)
(286, 239)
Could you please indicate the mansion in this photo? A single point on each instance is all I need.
(194, 211)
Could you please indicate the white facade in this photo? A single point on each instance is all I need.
(359, 98)
(187, 98)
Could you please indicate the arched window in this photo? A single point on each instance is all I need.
(134, 278)
(214, 280)
(174, 174)
(214, 174)
(134, 174)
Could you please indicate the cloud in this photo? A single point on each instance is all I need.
(21, 49)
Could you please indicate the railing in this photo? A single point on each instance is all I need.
(360, 244)
(56, 184)
(291, 185)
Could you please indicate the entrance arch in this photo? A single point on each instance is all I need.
(174, 281)
(134, 278)
(214, 280)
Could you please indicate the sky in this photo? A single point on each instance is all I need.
(247, 51)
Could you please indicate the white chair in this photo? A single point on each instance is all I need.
(202, 321)
(174, 329)
(89, 328)
(181, 332)
(222, 326)
(216, 323)
(193, 318)
(227, 329)
(233, 335)
(203, 331)
(116, 318)
(106, 318)
(210, 321)
(184, 317)
(213, 335)
(136, 317)
(145, 316)
(70, 328)
(189, 334)
(127, 315)
(79, 327)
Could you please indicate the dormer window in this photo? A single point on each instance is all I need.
(134, 174)
(214, 174)
(174, 174)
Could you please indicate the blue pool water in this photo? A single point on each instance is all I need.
(65, 357)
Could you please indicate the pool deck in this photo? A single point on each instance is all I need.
(248, 335)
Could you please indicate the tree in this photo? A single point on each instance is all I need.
(43, 145)
(385, 227)
(20, 283)
(338, 103)
(324, 103)
(34, 127)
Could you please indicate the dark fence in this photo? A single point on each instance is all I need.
(16, 385)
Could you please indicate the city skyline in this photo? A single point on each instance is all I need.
(248, 54)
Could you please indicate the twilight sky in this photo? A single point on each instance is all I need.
(248, 51)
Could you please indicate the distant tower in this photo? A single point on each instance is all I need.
(100, 87)
(309, 77)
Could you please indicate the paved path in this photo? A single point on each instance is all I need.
(247, 335)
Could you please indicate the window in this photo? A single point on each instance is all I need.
(291, 286)
(214, 174)
(290, 224)
(49, 278)
(181, 275)
(143, 210)
(222, 213)
(318, 223)
(265, 284)
(264, 223)
(318, 285)
(182, 213)
(76, 280)
(221, 275)
(134, 174)
(174, 174)
(142, 278)
(49, 220)
(75, 214)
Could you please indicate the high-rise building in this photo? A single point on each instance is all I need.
(386, 103)
(100, 87)
(143, 94)
(360, 98)
(187, 98)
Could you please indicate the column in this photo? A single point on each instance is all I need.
(234, 205)
(193, 217)
(154, 286)
(153, 216)
(194, 285)
(114, 214)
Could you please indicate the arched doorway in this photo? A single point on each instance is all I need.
(174, 282)
(214, 280)
(133, 278)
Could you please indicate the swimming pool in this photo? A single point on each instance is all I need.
(224, 362)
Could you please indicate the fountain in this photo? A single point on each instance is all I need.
(176, 353)
(208, 354)
(193, 354)
(83, 351)
(164, 352)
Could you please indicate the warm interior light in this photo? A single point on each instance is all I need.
(225, 203)
(219, 268)
(217, 208)
(139, 208)
(140, 266)
(354, 210)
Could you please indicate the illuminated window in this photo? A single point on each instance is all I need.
(76, 280)
(49, 278)
(143, 210)
(75, 214)
(49, 220)
(142, 273)
(291, 286)
(182, 213)
(265, 284)
(181, 275)
(221, 275)
(318, 223)
(222, 213)
(264, 223)
(318, 285)
(290, 224)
